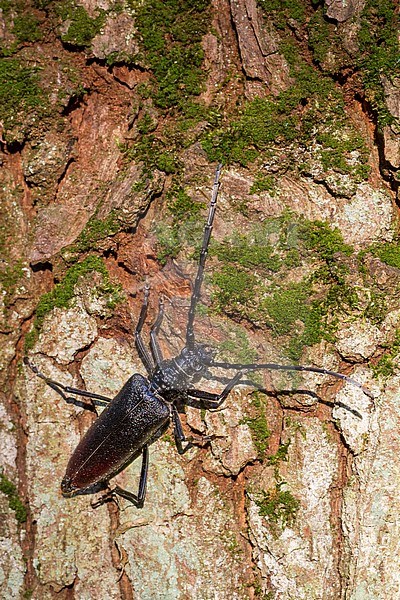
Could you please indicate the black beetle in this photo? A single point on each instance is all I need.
(143, 409)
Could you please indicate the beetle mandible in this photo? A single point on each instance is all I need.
(142, 411)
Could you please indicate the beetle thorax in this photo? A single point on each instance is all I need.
(186, 369)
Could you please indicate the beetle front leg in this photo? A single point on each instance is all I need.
(154, 345)
(144, 355)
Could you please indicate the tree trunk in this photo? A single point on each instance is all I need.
(114, 116)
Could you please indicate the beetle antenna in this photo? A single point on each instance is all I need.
(202, 261)
(276, 367)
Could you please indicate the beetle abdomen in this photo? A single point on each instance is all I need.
(123, 428)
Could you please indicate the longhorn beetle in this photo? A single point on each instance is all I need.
(141, 412)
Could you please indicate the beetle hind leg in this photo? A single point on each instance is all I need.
(136, 499)
(63, 390)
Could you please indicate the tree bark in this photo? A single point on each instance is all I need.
(114, 116)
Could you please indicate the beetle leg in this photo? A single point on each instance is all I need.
(180, 436)
(154, 345)
(144, 355)
(206, 399)
(136, 499)
(178, 433)
(63, 390)
(213, 401)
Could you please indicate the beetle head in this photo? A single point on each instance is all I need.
(196, 360)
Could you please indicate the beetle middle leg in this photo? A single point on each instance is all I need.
(214, 401)
(209, 401)
(179, 436)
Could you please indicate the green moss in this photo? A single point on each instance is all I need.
(146, 124)
(319, 36)
(258, 425)
(267, 124)
(237, 348)
(10, 276)
(18, 20)
(264, 183)
(247, 252)
(280, 11)
(20, 92)
(280, 454)
(6, 6)
(82, 28)
(95, 230)
(279, 506)
(168, 242)
(322, 240)
(153, 152)
(171, 34)
(309, 119)
(14, 502)
(236, 289)
(42, 4)
(389, 253)
(296, 426)
(182, 207)
(254, 282)
(377, 307)
(285, 306)
(26, 28)
(386, 365)
(379, 52)
(186, 226)
(62, 293)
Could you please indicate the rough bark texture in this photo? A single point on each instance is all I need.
(113, 117)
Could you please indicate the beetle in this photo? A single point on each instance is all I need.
(144, 408)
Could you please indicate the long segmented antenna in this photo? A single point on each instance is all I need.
(276, 367)
(203, 255)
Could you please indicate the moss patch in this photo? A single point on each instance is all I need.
(20, 93)
(237, 348)
(309, 117)
(10, 277)
(81, 27)
(258, 425)
(19, 21)
(389, 253)
(386, 365)
(304, 129)
(14, 502)
(254, 280)
(379, 52)
(278, 506)
(171, 34)
(26, 28)
(63, 292)
(95, 230)
(185, 226)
